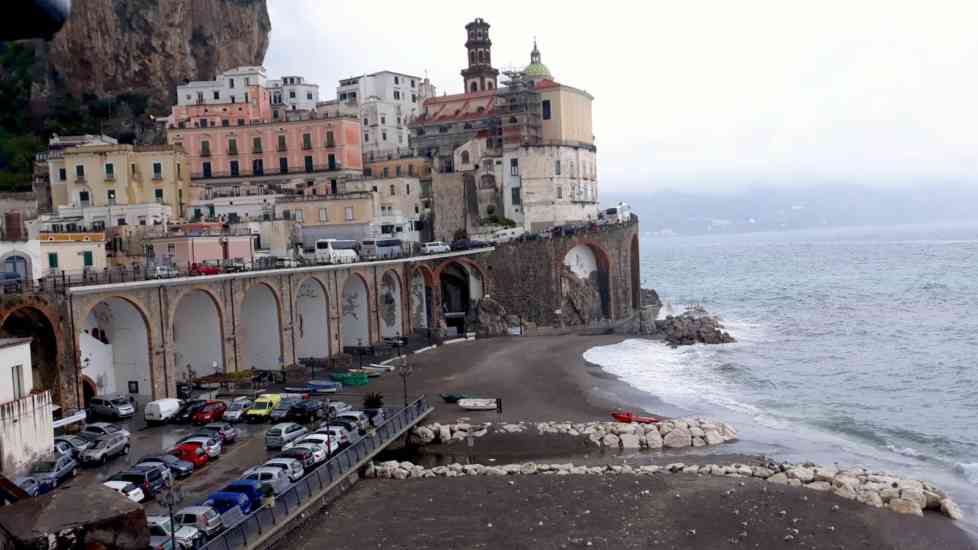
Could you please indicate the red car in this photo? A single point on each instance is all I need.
(204, 269)
(211, 412)
(191, 452)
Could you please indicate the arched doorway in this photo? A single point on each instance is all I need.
(585, 286)
(18, 263)
(89, 390)
(113, 348)
(421, 295)
(461, 289)
(261, 332)
(635, 265)
(390, 305)
(312, 320)
(30, 322)
(356, 322)
(197, 336)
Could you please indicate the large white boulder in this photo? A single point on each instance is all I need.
(611, 440)
(444, 434)
(424, 434)
(528, 468)
(951, 509)
(629, 441)
(802, 474)
(677, 438)
(712, 437)
(904, 506)
(652, 439)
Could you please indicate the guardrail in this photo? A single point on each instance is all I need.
(257, 527)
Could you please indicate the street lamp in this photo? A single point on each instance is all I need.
(404, 372)
(360, 351)
(170, 497)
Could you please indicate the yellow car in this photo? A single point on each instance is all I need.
(262, 409)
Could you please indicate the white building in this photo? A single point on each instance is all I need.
(387, 102)
(244, 207)
(292, 93)
(103, 217)
(22, 257)
(230, 83)
(549, 185)
(26, 422)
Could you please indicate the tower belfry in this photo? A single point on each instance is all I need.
(480, 74)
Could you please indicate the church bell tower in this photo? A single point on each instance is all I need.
(479, 75)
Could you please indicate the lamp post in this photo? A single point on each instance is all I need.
(360, 351)
(404, 372)
(170, 497)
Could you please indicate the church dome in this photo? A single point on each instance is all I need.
(536, 68)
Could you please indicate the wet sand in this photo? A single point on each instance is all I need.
(546, 378)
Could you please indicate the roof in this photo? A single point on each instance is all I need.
(459, 107)
(538, 70)
(11, 342)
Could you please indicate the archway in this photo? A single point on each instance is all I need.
(356, 322)
(17, 262)
(635, 265)
(312, 321)
(261, 332)
(585, 285)
(461, 289)
(390, 305)
(113, 348)
(89, 390)
(197, 336)
(421, 298)
(30, 322)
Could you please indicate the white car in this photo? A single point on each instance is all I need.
(435, 247)
(276, 478)
(161, 529)
(290, 465)
(318, 451)
(359, 417)
(237, 409)
(329, 443)
(130, 490)
(336, 433)
(164, 272)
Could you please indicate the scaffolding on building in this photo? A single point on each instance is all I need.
(519, 111)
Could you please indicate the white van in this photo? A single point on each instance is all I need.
(506, 235)
(161, 410)
(622, 213)
(335, 251)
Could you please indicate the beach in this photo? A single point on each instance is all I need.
(547, 379)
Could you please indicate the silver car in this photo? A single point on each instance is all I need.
(204, 518)
(96, 430)
(113, 406)
(106, 447)
(211, 445)
(291, 466)
(276, 478)
(280, 435)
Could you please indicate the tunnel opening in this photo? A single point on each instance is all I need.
(461, 289)
(30, 322)
(585, 286)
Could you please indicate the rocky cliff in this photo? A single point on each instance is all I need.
(147, 47)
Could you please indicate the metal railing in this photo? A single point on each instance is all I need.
(316, 483)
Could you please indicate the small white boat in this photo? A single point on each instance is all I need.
(477, 404)
(378, 366)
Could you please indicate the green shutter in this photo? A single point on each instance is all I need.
(87, 255)
(53, 259)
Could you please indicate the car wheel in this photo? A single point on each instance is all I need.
(125, 450)
(102, 460)
(74, 472)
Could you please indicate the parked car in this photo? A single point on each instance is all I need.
(222, 501)
(98, 429)
(334, 408)
(359, 417)
(105, 448)
(305, 456)
(275, 478)
(179, 468)
(163, 272)
(305, 410)
(112, 406)
(237, 409)
(187, 537)
(165, 472)
(71, 444)
(233, 266)
(468, 244)
(263, 407)
(281, 411)
(189, 409)
(150, 480)
(126, 489)
(227, 432)
(329, 444)
(335, 251)
(284, 262)
(352, 428)
(212, 411)
(435, 247)
(337, 433)
(32, 486)
(205, 268)
(204, 518)
(291, 466)
(162, 410)
(280, 435)
(211, 445)
(319, 454)
(193, 453)
(247, 487)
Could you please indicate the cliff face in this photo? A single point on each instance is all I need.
(148, 47)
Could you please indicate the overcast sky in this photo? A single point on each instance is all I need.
(697, 95)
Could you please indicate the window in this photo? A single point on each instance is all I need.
(515, 192)
(281, 143)
(158, 195)
(331, 161)
(109, 171)
(309, 96)
(53, 260)
(348, 213)
(309, 164)
(292, 94)
(83, 198)
(298, 216)
(407, 189)
(557, 167)
(233, 166)
(80, 171)
(283, 165)
(397, 170)
(366, 137)
(397, 94)
(110, 196)
(157, 170)
(257, 167)
(414, 98)
(307, 141)
(397, 80)
(383, 120)
(232, 99)
(247, 81)
(366, 122)
(62, 174)
(17, 375)
(200, 97)
(386, 174)
(207, 169)
(393, 191)
(465, 157)
(217, 95)
(560, 192)
(323, 216)
(232, 146)
(410, 169)
(225, 122)
(230, 83)
(546, 109)
(329, 139)
(368, 172)
(205, 148)
(87, 259)
(256, 145)
(383, 136)
(514, 167)
(240, 122)
(412, 83)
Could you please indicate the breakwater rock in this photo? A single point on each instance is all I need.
(670, 434)
(694, 326)
(877, 489)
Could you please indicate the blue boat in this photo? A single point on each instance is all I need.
(317, 386)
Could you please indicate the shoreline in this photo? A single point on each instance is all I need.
(546, 378)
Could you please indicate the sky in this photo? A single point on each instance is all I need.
(696, 95)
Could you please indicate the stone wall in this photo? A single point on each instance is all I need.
(26, 432)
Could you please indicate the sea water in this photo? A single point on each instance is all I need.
(855, 346)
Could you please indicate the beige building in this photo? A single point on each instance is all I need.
(73, 252)
(107, 175)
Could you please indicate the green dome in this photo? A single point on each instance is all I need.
(538, 70)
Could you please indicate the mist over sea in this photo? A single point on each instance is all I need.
(857, 346)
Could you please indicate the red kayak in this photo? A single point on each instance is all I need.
(628, 418)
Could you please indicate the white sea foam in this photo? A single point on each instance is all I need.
(905, 451)
(969, 470)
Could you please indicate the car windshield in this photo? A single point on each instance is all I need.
(131, 478)
(44, 467)
(237, 406)
(120, 401)
(261, 405)
(275, 432)
(157, 530)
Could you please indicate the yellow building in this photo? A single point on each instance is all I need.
(73, 252)
(416, 167)
(107, 175)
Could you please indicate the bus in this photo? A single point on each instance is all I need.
(335, 251)
(381, 249)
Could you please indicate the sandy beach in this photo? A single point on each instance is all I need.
(545, 378)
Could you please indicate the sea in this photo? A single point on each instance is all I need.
(856, 346)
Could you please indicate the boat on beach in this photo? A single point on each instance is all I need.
(628, 418)
(476, 404)
(452, 397)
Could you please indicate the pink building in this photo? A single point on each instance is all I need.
(182, 251)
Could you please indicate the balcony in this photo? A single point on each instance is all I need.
(233, 152)
(205, 152)
(109, 178)
(301, 169)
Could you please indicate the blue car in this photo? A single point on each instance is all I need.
(222, 502)
(248, 487)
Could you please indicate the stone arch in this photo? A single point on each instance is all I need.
(312, 319)
(355, 311)
(37, 321)
(115, 348)
(196, 323)
(19, 262)
(260, 336)
(462, 285)
(585, 283)
(634, 263)
(391, 304)
(88, 389)
(421, 297)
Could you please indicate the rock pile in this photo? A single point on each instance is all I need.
(878, 489)
(695, 326)
(673, 434)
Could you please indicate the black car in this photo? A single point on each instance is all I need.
(179, 468)
(468, 244)
(189, 408)
(305, 411)
(150, 480)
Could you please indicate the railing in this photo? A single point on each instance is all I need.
(316, 168)
(317, 483)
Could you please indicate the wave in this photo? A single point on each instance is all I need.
(969, 470)
(905, 451)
